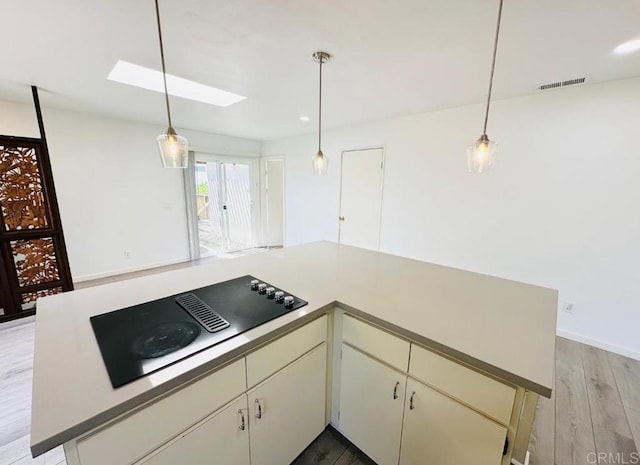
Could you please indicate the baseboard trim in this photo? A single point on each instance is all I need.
(598, 343)
(133, 269)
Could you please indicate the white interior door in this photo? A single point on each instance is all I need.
(361, 198)
(274, 187)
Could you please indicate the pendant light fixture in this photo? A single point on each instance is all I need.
(481, 155)
(320, 161)
(173, 148)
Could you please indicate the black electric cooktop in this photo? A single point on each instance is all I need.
(139, 340)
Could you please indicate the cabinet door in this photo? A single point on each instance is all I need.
(440, 431)
(371, 405)
(222, 439)
(288, 410)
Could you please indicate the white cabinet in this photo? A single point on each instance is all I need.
(371, 405)
(202, 423)
(440, 431)
(223, 438)
(287, 411)
(452, 416)
(398, 402)
(141, 432)
(270, 425)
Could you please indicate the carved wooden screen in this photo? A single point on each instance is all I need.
(32, 250)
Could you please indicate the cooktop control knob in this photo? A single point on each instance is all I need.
(254, 284)
(279, 296)
(262, 288)
(288, 302)
(270, 291)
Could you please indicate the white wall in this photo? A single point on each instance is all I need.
(559, 209)
(114, 196)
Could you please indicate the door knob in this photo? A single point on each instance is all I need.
(341, 218)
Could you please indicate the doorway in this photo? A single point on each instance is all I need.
(226, 214)
(273, 202)
(361, 198)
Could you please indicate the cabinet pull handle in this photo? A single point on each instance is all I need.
(258, 409)
(411, 404)
(395, 390)
(243, 424)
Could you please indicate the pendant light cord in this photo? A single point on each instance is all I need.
(164, 70)
(319, 108)
(493, 67)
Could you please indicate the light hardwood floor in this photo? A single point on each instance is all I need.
(595, 409)
(16, 374)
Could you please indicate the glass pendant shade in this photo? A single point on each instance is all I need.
(320, 164)
(174, 149)
(481, 155)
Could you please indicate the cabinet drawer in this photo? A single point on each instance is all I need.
(133, 436)
(378, 343)
(267, 360)
(483, 393)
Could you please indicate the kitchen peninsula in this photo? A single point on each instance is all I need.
(475, 349)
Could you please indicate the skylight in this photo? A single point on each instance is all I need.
(139, 76)
(627, 47)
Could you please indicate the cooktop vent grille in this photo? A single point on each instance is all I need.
(555, 85)
(203, 313)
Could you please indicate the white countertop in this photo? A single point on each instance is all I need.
(503, 327)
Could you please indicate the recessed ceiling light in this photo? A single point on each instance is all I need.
(139, 76)
(627, 47)
(305, 118)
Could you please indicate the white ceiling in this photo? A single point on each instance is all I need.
(390, 57)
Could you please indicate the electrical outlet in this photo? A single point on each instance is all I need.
(127, 255)
(567, 307)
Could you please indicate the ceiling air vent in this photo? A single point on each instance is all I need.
(555, 85)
